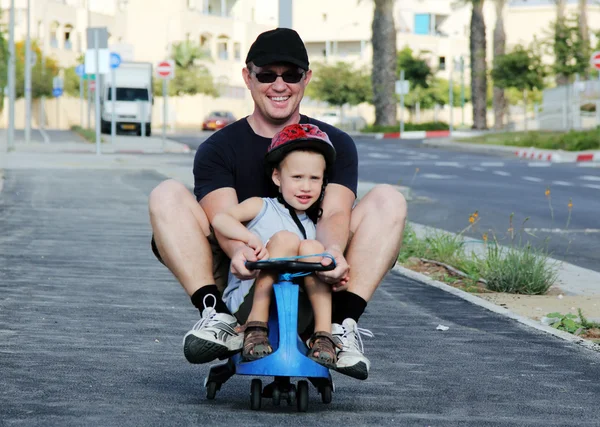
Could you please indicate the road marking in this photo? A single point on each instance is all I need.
(379, 156)
(597, 187)
(539, 164)
(478, 169)
(436, 176)
(588, 164)
(562, 230)
(449, 164)
(502, 173)
(532, 179)
(562, 183)
(492, 164)
(590, 178)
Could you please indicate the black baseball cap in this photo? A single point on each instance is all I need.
(279, 45)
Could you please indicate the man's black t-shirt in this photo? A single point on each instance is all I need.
(234, 157)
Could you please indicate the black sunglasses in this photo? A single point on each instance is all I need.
(270, 76)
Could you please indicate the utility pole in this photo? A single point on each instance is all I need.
(28, 76)
(11, 78)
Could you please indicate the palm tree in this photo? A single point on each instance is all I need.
(499, 49)
(478, 66)
(561, 79)
(584, 33)
(186, 53)
(383, 76)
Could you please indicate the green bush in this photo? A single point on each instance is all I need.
(568, 141)
(407, 127)
(88, 134)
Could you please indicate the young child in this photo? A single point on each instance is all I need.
(297, 161)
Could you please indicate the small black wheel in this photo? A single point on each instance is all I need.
(211, 390)
(291, 397)
(302, 396)
(255, 394)
(326, 393)
(276, 396)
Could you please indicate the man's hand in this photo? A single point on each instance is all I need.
(339, 276)
(260, 250)
(238, 263)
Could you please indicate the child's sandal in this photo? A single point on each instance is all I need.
(256, 341)
(322, 343)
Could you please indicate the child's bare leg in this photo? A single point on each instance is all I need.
(319, 293)
(256, 341)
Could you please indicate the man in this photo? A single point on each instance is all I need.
(228, 168)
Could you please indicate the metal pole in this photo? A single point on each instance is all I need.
(142, 109)
(525, 110)
(11, 79)
(165, 114)
(113, 98)
(28, 76)
(462, 90)
(401, 103)
(57, 112)
(89, 100)
(451, 101)
(81, 101)
(97, 92)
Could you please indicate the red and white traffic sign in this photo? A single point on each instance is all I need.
(92, 85)
(166, 69)
(595, 60)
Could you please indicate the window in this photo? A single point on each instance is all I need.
(54, 34)
(422, 23)
(222, 52)
(191, 4)
(442, 62)
(324, 17)
(129, 94)
(68, 40)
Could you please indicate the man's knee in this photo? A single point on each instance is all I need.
(310, 247)
(167, 194)
(387, 200)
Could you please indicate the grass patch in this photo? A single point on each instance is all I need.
(577, 325)
(516, 269)
(407, 127)
(568, 141)
(87, 134)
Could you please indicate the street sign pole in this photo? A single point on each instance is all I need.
(451, 99)
(81, 101)
(97, 92)
(28, 76)
(89, 102)
(113, 98)
(11, 79)
(165, 114)
(401, 103)
(462, 90)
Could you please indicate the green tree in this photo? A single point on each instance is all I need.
(571, 51)
(521, 69)
(41, 79)
(383, 76)
(416, 69)
(191, 77)
(340, 84)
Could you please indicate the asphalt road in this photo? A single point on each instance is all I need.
(449, 185)
(91, 329)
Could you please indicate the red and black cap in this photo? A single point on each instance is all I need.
(297, 137)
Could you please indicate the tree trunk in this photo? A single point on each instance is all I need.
(383, 76)
(561, 79)
(499, 49)
(478, 66)
(584, 32)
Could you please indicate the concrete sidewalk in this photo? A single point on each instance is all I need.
(92, 324)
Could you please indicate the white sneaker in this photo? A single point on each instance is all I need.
(213, 336)
(351, 360)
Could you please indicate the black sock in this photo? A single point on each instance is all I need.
(347, 305)
(198, 299)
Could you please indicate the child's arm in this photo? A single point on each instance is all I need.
(230, 224)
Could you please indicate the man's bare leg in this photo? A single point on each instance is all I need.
(180, 228)
(377, 224)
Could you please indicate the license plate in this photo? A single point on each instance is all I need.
(128, 127)
(212, 126)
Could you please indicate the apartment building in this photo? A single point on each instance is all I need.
(145, 30)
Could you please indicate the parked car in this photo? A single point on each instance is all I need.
(217, 120)
(347, 123)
